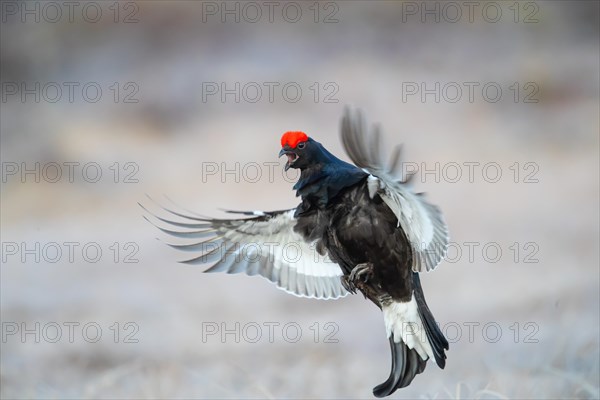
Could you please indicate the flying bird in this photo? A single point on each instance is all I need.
(358, 228)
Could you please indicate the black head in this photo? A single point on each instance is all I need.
(305, 153)
(300, 150)
(322, 174)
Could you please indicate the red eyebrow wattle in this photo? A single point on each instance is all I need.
(292, 138)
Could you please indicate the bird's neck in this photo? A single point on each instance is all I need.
(312, 185)
(320, 184)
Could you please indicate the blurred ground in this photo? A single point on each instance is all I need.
(538, 301)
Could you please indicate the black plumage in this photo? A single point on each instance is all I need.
(377, 232)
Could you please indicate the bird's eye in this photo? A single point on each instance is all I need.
(301, 145)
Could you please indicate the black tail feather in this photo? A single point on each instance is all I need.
(434, 334)
(406, 364)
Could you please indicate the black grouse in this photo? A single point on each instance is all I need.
(359, 227)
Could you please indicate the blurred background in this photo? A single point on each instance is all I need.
(105, 102)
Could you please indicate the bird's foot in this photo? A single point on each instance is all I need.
(359, 275)
(362, 272)
(349, 286)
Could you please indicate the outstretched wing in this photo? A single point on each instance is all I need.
(264, 244)
(421, 221)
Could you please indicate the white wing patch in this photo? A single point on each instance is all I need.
(421, 222)
(264, 245)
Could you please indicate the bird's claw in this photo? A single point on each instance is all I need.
(347, 284)
(362, 271)
(359, 275)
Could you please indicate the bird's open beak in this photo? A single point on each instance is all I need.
(292, 157)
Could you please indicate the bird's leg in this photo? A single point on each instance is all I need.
(359, 275)
(362, 272)
(349, 286)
